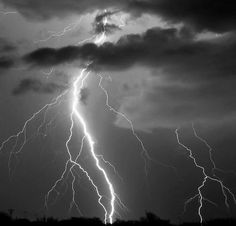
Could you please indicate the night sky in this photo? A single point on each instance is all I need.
(169, 66)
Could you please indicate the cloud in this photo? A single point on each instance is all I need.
(213, 15)
(47, 9)
(84, 95)
(198, 76)
(176, 104)
(34, 85)
(168, 49)
(6, 63)
(6, 46)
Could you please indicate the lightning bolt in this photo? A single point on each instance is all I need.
(109, 214)
(225, 190)
(91, 144)
(15, 151)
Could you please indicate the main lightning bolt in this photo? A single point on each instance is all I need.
(109, 214)
(225, 190)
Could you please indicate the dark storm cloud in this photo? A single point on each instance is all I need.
(201, 75)
(34, 85)
(6, 63)
(168, 49)
(174, 105)
(6, 49)
(214, 15)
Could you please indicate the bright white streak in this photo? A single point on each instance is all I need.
(75, 113)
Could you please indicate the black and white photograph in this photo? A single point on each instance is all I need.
(118, 112)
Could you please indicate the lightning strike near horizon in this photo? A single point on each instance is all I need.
(225, 190)
(75, 113)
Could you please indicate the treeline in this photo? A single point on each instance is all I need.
(149, 219)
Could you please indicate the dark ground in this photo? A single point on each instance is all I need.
(150, 219)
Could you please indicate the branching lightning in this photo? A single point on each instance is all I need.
(226, 192)
(16, 150)
(210, 151)
(109, 214)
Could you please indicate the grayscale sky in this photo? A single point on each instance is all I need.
(166, 65)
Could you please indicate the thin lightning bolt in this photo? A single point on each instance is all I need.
(47, 124)
(87, 40)
(49, 72)
(213, 178)
(23, 131)
(73, 202)
(144, 153)
(59, 34)
(210, 151)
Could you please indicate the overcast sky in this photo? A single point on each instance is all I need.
(167, 65)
